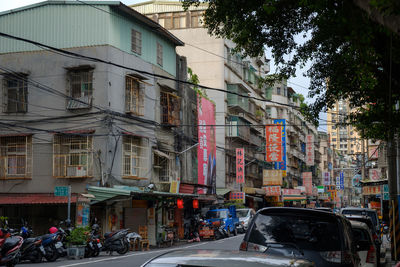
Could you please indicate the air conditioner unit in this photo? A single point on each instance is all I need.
(76, 171)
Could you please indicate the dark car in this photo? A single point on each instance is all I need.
(223, 258)
(323, 237)
(324, 209)
(363, 211)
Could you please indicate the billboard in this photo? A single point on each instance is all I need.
(282, 164)
(272, 190)
(239, 165)
(273, 136)
(375, 175)
(310, 150)
(272, 177)
(206, 150)
(327, 178)
(307, 182)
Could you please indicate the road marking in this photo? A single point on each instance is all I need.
(133, 254)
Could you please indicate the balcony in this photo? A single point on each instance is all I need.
(255, 139)
(235, 101)
(236, 131)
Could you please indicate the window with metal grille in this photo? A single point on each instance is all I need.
(159, 54)
(134, 96)
(80, 89)
(72, 156)
(15, 92)
(134, 158)
(136, 42)
(170, 108)
(161, 166)
(15, 157)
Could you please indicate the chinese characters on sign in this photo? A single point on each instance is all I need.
(291, 191)
(327, 178)
(237, 196)
(272, 177)
(272, 190)
(282, 165)
(310, 150)
(375, 174)
(206, 152)
(307, 182)
(239, 165)
(371, 190)
(273, 135)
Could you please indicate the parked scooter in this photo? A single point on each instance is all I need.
(10, 248)
(93, 244)
(50, 246)
(116, 241)
(32, 248)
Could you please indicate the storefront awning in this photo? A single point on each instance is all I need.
(258, 199)
(293, 198)
(34, 199)
(254, 191)
(222, 191)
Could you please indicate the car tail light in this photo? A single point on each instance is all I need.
(332, 256)
(98, 240)
(243, 246)
(371, 256)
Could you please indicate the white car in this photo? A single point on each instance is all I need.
(244, 215)
(366, 247)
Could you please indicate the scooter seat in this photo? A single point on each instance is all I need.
(30, 240)
(10, 243)
(108, 234)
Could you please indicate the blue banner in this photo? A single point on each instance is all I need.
(282, 165)
(341, 180)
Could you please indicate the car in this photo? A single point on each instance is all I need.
(365, 245)
(225, 216)
(363, 211)
(375, 236)
(223, 258)
(323, 237)
(245, 215)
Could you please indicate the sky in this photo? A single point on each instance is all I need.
(298, 83)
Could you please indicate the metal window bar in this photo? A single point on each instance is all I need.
(15, 157)
(81, 88)
(72, 156)
(134, 154)
(162, 165)
(15, 95)
(159, 54)
(170, 108)
(136, 41)
(134, 96)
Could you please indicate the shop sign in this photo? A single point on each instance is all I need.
(82, 214)
(375, 174)
(206, 151)
(239, 165)
(237, 196)
(288, 192)
(272, 177)
(282, 165)
(307, 182)
(174, 187)
(371, 190)
(320, 189)
(310, 150)
(273, 136)
(373, 153)
(272, 190)
(301, 188)
(341, 177)
(327, 178)
(374, 205)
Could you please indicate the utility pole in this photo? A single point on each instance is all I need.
(362, 168)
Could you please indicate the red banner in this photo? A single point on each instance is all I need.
(239, 165)
(291, 191)
(237, 196)
(206, 151)
(310, 150)
(273, 135)
(272, 190)
(307, 182)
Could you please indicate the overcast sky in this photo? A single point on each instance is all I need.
(299, 83)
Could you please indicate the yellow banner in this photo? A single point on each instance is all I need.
(272, 177)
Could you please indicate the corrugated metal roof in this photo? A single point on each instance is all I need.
(152, 7)
(34, 199)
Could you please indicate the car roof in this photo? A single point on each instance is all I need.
(357, 224)
(356, 208)
(222, 258)
(298, 211)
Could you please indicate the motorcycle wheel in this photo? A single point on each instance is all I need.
(124, 249)
(10, 264)
(53, 256)
(38, 258)
(228, 232)
(235, 232)
(96, 253)
(88, 252)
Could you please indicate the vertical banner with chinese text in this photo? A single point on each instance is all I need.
(239, 165)
(307, 182)
(206, 152)
(310, 150)
(282, 164)
(273, 136)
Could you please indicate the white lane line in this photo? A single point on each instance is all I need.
(133, 254)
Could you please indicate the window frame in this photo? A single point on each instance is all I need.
(18, 142)
(134, 96)
(136, 41)
(20, 102)
(138, 144)
(166, 104)
(160, 54)
(80, 80)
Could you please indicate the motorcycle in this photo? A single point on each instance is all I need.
(193, 234)
(93, 244)
(116, 241)
(51, 243)
(32, 246)
(10, 248)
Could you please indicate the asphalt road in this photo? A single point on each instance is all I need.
(136, 259)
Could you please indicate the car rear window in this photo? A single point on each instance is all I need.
(242, 213)
(361, 235)
(307, 232)
(370, 214)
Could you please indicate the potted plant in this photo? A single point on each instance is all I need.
(76, 242)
